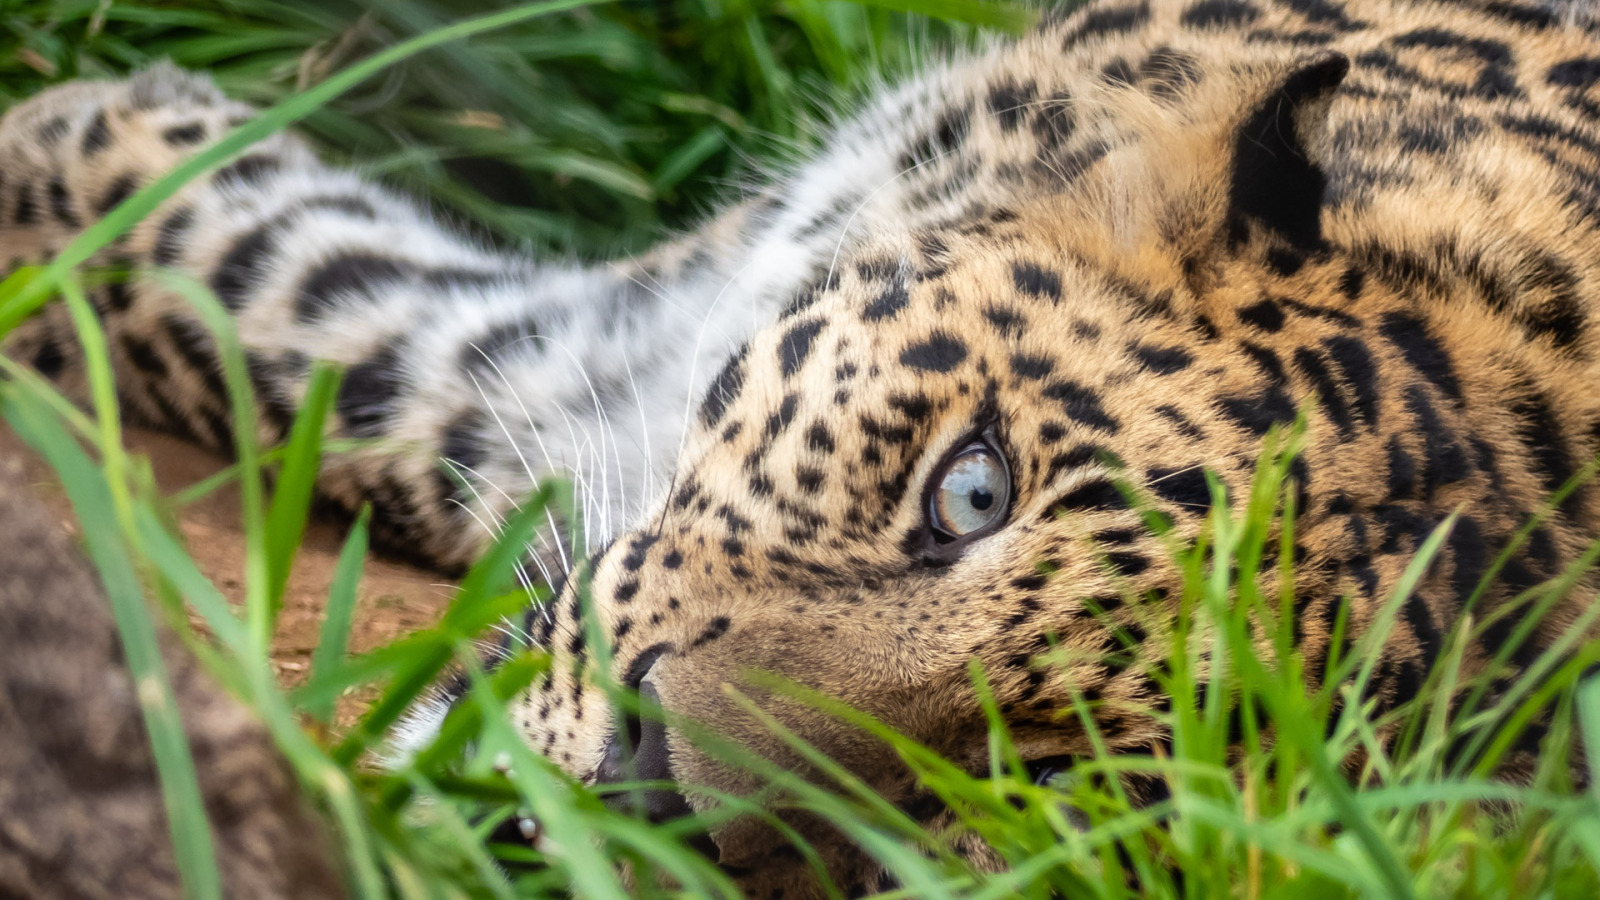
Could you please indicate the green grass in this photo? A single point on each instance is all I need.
(587, 132)
(623, 90)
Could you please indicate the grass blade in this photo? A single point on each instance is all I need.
(340, 612)
(291, 500)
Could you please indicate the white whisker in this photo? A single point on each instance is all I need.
(694, 358)
(844, 230)
(515, 446)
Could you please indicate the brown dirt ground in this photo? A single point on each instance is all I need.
(393, 599)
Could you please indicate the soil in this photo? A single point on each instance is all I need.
(393, 600)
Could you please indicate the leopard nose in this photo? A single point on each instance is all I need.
(638, 752)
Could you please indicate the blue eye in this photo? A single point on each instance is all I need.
(971, 492)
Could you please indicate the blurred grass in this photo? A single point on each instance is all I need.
(590, 132)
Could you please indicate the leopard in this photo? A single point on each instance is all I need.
(943, 394)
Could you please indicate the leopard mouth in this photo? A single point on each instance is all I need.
(638, 752)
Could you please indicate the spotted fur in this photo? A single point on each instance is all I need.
(1126, 247)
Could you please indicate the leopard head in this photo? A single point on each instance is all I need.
(922, 469)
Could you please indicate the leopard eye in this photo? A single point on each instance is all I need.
(971, 493)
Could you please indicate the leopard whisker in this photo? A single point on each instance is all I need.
(496, 528)
(694, 357)
(844, 230)
(516, 447)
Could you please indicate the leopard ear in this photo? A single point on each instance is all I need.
(1275, 182)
